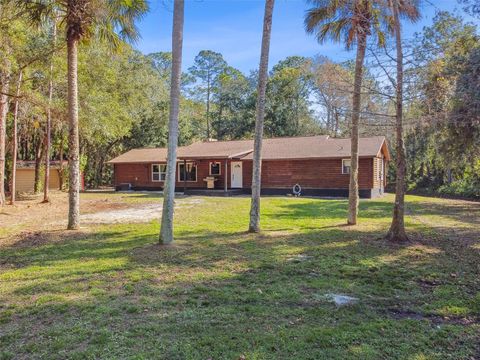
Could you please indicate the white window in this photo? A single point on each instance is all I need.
(346, 164)
(191, 172)
(215, 168)
(159, 171)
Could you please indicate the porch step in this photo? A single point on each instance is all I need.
(214, 192)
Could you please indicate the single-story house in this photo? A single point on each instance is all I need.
(319, 164)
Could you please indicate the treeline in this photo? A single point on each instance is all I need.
(443, 136)
(124, 104)
(123, 100)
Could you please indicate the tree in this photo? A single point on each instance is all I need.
(5, 77)
(397, 229)
(288, 110)
(15, 139)
(207, 67)
(350, 21)
(254, 225)
(111, 20)
(49, 115)
(232, 116)
(332, 87)
(166, 229)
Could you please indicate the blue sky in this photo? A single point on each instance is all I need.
(233, 28)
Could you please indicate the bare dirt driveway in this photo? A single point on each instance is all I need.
(29, 214)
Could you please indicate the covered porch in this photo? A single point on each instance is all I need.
(207, 176)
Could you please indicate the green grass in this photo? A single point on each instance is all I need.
(220, 293)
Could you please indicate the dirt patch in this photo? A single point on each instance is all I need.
(30, 239)
(138, 213)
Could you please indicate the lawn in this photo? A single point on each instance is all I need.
(109, 291)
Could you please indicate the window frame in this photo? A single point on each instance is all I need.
(180, 172)
(349, 167)
(210, 168)
(159, 172)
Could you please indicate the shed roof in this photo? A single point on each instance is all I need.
(305, 147)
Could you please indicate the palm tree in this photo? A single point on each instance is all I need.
(350, 21)
(397, 231)
(166, 230)
(112, 20)
(254, 225)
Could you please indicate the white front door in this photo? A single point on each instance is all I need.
(237, 174)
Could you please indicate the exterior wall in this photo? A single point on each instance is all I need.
(25, 179)
(324, 174)
(310, 174)
(140, 175)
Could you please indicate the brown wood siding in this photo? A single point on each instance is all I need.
(376, 170)
(313, 174)
(140, 175)
(377, 164)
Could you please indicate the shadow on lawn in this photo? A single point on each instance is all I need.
(232, 294)
(221, 294)
(333, 209)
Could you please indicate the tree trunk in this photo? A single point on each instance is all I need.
(357, 87)
(208, 106)
(166, 229)
(397, 229)
(254, 225)
(61, 174)
(336, 123)
(73, 142)
(49, 119)
(38, 162)
(4, 86)
(15, 141)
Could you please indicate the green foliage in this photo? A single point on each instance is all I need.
(444, 148)
(288, 110)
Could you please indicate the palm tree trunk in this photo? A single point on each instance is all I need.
(254, 225)
(397, 229)
(166, 230)
(49, 119)
(15, 141)
(357, 87)
(73, 142)
(4, 86)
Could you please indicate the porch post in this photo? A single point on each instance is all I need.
(184, 176)
(225, 182)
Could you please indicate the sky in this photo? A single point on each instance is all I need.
(234, 28)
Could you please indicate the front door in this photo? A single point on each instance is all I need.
(237, 174)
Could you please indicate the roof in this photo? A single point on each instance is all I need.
(304, 147)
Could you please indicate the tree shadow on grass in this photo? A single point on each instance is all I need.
(225, 295)
(332, 209)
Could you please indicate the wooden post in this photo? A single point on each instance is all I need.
(225, 182)
(184, 176)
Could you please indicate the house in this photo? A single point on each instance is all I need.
(25, 176)
(319, 164)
